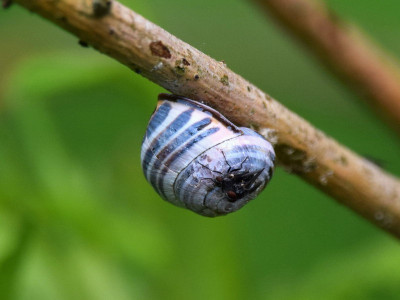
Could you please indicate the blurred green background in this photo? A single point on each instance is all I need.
(78, 220)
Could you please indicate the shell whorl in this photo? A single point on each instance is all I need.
(195, 158)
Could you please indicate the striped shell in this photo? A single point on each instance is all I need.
(195, 158)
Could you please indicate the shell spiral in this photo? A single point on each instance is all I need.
(195, 158)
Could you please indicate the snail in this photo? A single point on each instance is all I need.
(196, 158)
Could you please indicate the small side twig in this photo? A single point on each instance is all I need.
(161, 57)
(101, 7)
(345, 51)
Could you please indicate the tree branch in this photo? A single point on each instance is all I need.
(345, 52)
(184, 70)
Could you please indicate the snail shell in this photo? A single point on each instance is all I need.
(195, 158)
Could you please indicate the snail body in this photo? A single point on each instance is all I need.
(196, 158)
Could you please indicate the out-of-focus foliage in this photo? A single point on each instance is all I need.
(78, 220)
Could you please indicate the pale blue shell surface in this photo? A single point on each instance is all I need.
(197, 159)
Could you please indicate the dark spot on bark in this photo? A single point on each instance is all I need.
(180, 67)
(248, 88)
(159, 49)
(180, 71)
(83, 44)
(101, 7)
(138, 70)
(343, 160)
(225, 80)
(111, 31)
(185, 62)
